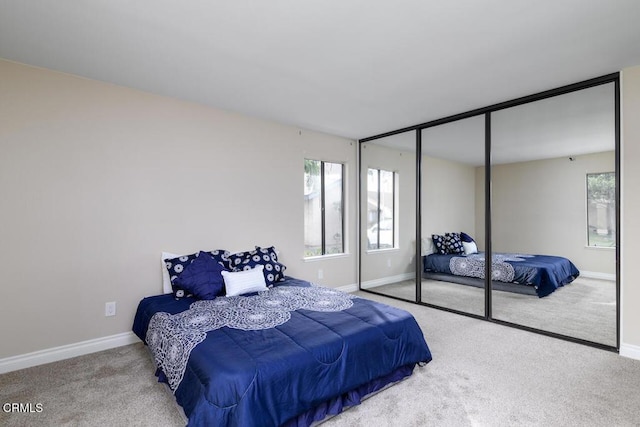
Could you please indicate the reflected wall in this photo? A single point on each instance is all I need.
(452, 194)
(523, 180)
(542, 155)
(388, 216)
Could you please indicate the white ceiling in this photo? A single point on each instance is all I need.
(353, 68)
(568, 125)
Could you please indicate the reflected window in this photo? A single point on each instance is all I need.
(323, 208)
(601, 209)
(381, 209)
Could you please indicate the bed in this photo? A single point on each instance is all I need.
(291, 355)
(528, 274)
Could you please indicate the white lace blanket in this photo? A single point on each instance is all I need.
(171, 338)
(474, 266)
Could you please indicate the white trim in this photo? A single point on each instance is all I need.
(386, 280)
(348, 288)
(631, 351)
(596, 275)
(326, 257)
(68, 351)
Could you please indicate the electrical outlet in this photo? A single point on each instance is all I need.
(320, 273)
(110, 308)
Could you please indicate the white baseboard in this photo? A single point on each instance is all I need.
(386, 280)
(630, 351)
(54, 354)
(348, 288)
(596, 275)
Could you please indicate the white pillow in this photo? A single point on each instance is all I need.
(427, 246)
(470, 248)
(166, 280)
(244, 282)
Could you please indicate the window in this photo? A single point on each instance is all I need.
(601, 209)
(323, 208)
(381, 209)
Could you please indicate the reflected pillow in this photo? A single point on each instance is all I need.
(427, 246)
(453, 243)
(244, 282)
(439, 243)
(470, 248)
(466, 238)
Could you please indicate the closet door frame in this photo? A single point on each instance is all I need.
(486, 111)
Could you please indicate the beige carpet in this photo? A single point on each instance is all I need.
(584, 309)
(483, 374)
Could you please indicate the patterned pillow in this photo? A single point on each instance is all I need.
(222, 256)
(439, 243)
(453, 243)
(203, 277)
(176, 266)
(267, 257)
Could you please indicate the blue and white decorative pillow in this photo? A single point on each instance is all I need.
(453, 243)
(222, 257)
(203, 277)
(176, 266)
(439, 243)
(267, 257)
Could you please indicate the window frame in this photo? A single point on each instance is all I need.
(322, 191)
(394, 206)
(589, 243)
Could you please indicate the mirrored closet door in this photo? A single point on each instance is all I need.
(507, 213)
(452, 215)
(388, 215)
(553, 214)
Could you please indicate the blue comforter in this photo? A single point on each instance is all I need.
(268, 377)
(544, 272)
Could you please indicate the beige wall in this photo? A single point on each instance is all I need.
(448, 197)
(96, 180)
(630, 157)
(539, 207)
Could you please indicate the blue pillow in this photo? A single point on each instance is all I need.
(453, 243)
(439, 243)
(267, 257)
(466, 238)
(203, 277)
(176, 266)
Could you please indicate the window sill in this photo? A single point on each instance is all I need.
(601, 248)
(325, 257)
(381, 251)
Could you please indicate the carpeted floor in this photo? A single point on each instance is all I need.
(482, 374)
(584, 309)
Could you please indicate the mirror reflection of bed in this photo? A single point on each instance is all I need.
(553, 184)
